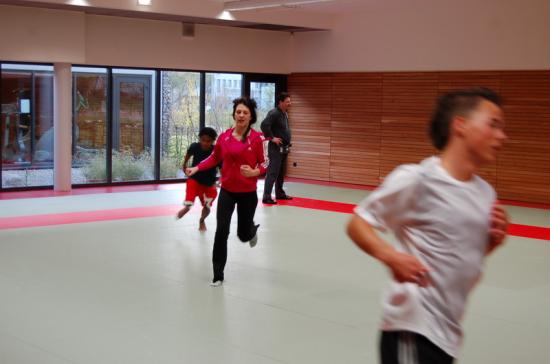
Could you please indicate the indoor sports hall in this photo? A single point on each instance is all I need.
(101, 105)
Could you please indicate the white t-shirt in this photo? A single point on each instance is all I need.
(444, 223)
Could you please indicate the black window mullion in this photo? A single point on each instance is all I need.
(109, 128)
(202, 101)
(33, 114)
(1, 133)
(157, 113)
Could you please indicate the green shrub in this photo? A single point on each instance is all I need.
(95, 169)
(169, 167)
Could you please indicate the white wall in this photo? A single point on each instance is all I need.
(40, 35)
(63, 36)
(136, 42)
(426, 35)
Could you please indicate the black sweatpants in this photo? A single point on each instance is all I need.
(246, 208)
(276, 171)
(405, 347)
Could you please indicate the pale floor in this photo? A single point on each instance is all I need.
(136, 291)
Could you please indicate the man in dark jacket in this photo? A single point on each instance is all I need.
(276, 130)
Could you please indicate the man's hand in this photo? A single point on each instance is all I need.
(277, 141)
(499, 227)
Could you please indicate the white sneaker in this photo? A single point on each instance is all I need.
(254, 240)
(216, 284)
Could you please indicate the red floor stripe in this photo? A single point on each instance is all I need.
(18, 222)
(309, 203)
(13, 195)
(330, 184)
(525, 231)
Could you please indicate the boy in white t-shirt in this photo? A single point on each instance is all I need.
(446, 220)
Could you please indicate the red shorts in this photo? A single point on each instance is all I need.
(206, 194)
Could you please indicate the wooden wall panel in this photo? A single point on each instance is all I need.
(310, 121)
(523, 171)
(356, 127)
(408, 101)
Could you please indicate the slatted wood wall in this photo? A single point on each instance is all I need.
(311, 126)
(357, 127)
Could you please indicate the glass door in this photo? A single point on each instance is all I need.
(132, 138)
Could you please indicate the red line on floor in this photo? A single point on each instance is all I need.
(17, 222)
(12, 195)
(524, 231)
(527, 231)
(350, 186)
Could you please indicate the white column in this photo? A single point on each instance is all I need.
(62, 125)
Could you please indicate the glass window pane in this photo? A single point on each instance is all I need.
(26, 122)
(219, 104)
(89, 125)
(264, 94)
(133, 125)
(180, 123)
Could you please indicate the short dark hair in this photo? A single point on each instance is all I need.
(457, 103)
(282, 97)
(208, 132)
(250, 104)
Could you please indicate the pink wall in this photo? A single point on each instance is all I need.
(430, 35)
(64, 36)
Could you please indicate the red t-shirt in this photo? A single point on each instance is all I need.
(235, 153)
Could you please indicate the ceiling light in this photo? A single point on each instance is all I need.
(79, 2)
(144, 2)
(225, 15)
(264, 4)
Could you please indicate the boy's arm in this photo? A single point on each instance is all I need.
(213, 160)
(186, 160)
(404, 267)
(499, 228)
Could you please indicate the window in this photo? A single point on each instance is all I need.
(116, 117)
(180, 119)
(26, 125)
(219, 105)
(264, 94)
(133, 125)
(90, 125)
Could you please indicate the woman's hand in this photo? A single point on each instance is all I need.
(191, 171)
(249, 172)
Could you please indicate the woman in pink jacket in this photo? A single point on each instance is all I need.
(241, 149)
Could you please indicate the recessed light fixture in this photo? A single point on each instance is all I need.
(264, 4)
(144, 2)
(225, 15)
(79, 2)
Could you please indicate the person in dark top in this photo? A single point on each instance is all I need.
(276, 130)
(201, 184)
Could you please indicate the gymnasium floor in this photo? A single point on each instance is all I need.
(105, 278)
